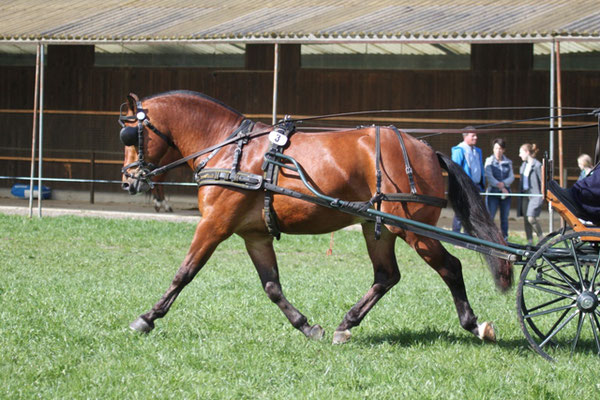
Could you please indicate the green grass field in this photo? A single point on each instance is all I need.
(69, 287)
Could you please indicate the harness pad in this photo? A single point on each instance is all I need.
(225, 177)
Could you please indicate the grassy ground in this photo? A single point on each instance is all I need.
(70, 286)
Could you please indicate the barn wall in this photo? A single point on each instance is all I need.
(73, 89)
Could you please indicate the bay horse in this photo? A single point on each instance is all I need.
(340, 164)
(157, 192)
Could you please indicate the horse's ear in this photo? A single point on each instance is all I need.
(132, 100)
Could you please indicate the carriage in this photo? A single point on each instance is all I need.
(258, 181)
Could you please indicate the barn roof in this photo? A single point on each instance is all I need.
(297, 21)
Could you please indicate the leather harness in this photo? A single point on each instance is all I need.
(272, 164)
(274, 159)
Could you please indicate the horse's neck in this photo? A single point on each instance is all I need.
(209, 125)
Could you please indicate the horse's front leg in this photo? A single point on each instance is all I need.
(159, 200)
(205, 241)
(260, 249)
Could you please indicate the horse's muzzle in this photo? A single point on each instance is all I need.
(136, 186)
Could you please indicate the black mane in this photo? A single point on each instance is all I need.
(196, 94)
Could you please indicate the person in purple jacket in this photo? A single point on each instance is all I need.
(470, 158)
(583, 199)
(499, 176)
(586, 192)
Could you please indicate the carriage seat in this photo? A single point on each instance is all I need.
(564, 196)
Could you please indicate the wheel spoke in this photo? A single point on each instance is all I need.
(577, 266)
(556, 300)
(559, 328)
(558, 281)
(545, 289)
(552, 310)
(596, 270)
(579, 325)
(595, 327)
(565, 274)
(560, 273)
(558, 321)
(586, 277)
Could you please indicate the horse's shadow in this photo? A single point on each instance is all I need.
(429, 336)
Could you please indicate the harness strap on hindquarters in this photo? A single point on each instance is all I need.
(409, 171)
(378, 196)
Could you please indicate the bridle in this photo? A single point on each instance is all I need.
(134, 136)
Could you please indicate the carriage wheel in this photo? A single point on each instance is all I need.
(541, 243)
(551, 235)
(557, 297)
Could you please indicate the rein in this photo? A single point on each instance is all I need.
(149, 170)
(230, 139)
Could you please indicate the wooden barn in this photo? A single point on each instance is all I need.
(489, 61)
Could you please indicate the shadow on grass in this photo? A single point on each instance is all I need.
(429, 336)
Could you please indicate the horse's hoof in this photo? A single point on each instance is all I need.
(486, 332)
(141, 325)
(316, 332)
(340, 337)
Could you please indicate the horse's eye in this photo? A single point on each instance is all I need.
(129, 136)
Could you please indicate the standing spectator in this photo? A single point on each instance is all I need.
(470, 158)
(499, 176)
(530, 207)
(584, 162)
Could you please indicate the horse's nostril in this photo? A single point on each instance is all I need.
(125, 186)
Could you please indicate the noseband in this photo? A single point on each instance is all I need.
(134, 136)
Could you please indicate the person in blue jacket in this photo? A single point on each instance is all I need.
(499, 176)
(470, 158)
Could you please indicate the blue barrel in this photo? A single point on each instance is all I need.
(21, 190)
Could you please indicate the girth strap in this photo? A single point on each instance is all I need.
(271, 174)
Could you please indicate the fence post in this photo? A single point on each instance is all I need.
(93, 174)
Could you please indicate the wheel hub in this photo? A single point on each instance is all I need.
(587, 301)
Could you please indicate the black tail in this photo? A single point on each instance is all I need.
(470, 208)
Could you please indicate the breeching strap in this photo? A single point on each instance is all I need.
(378, 196)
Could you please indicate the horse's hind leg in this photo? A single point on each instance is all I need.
(206, 239)
(450, 269)
(260, 249)
(385, 269)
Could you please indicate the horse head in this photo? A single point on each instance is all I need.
(143, 151)
(151, 127)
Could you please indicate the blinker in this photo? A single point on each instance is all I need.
(129, 136)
